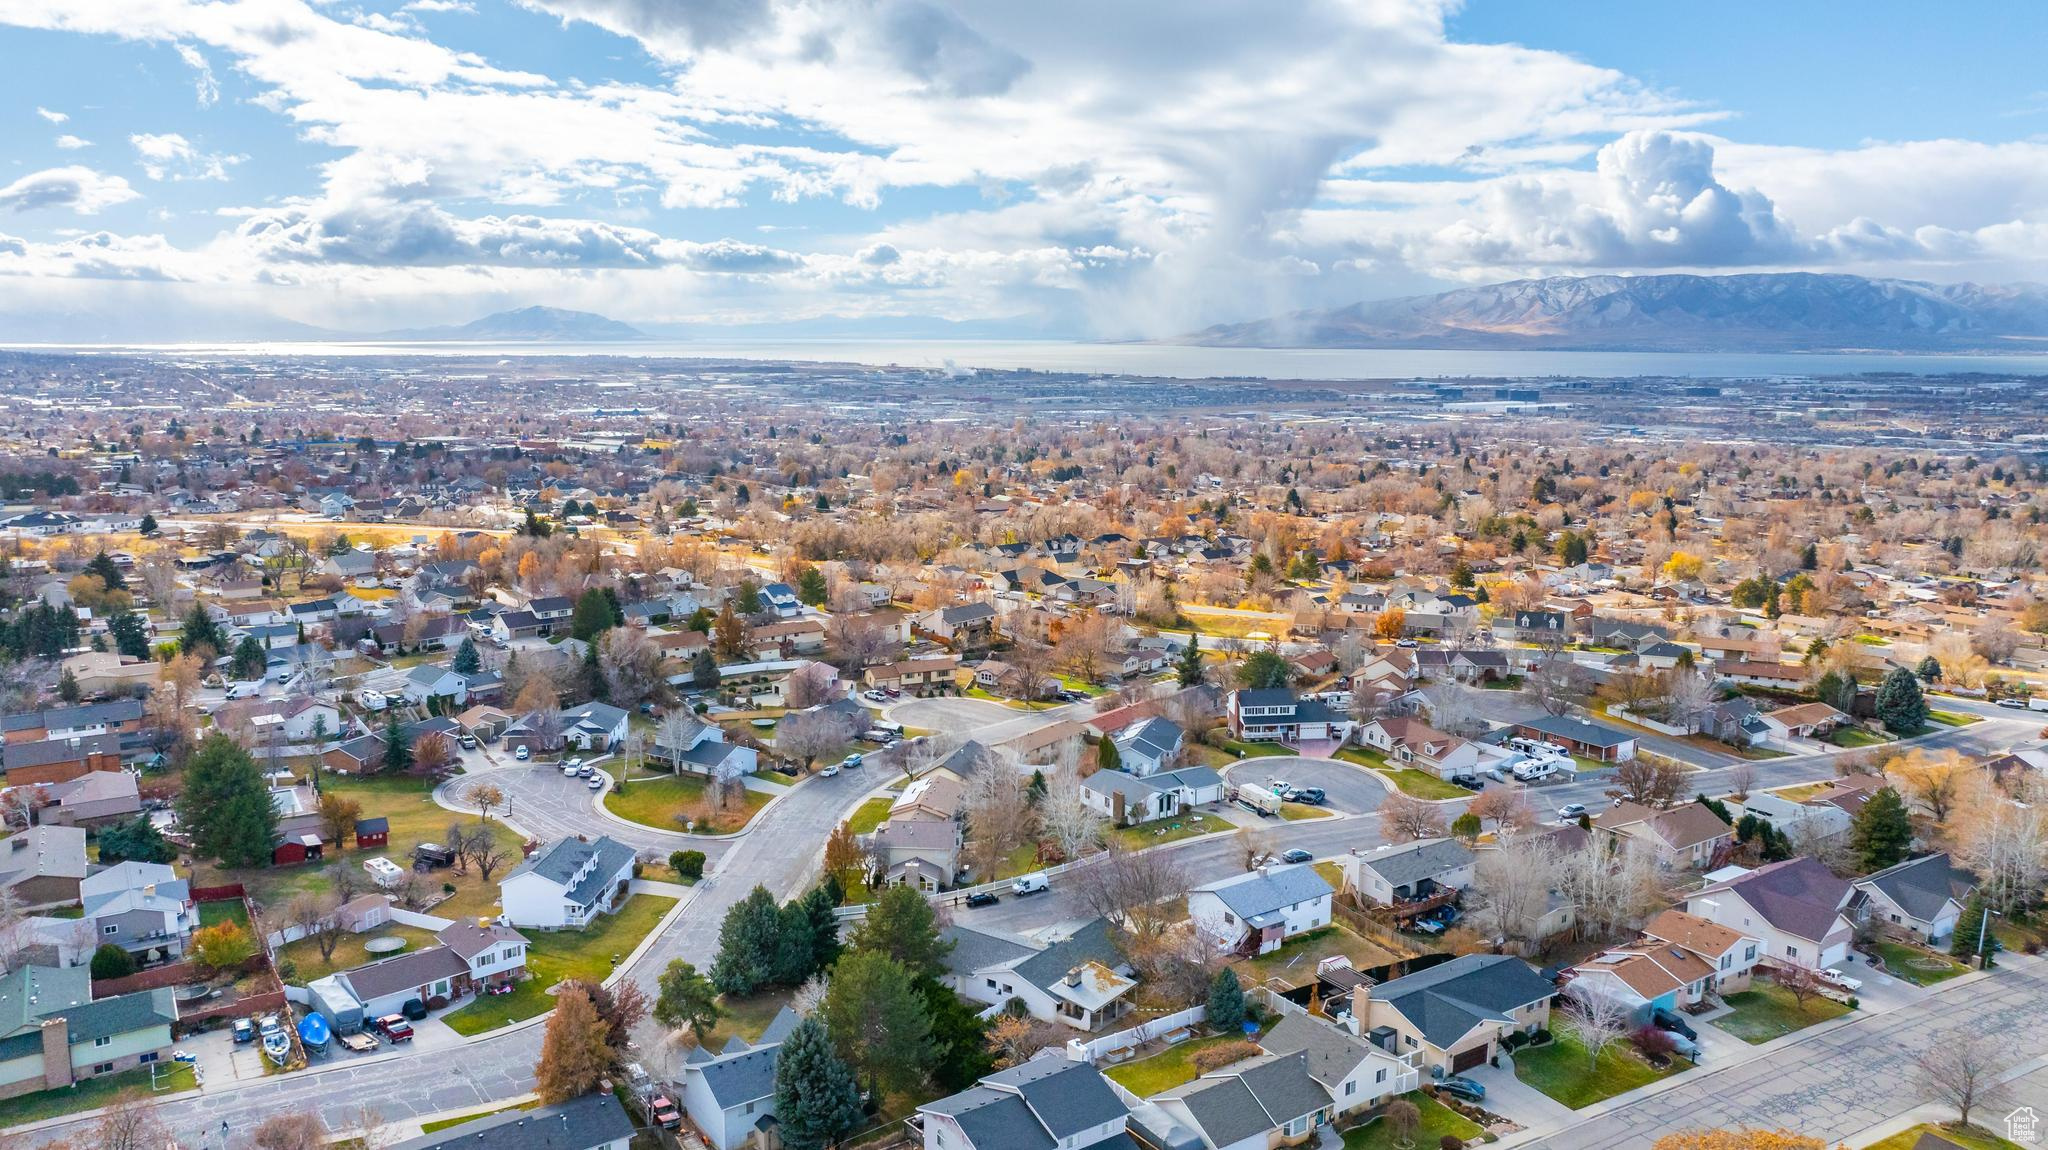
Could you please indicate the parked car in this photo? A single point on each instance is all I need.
(1464, 1088)
(873, 696)
(664, 1113)
(1664, 1019)
(1469, 782)
(2016, 704)
(596, 782)
(1297, 855)
(983, 898)
(1407, 643)
(1571, 812)
(522, 754)
(852, 761)
(395, 1028)
(1834, 977)
(1426, 925)
(244, 1032)
(831, 770)
(468, 742)
(1310, 796)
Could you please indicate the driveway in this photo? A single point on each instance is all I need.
(1348, 787)
(1515, 1100)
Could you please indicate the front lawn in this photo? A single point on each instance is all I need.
(1254, 750)
(1801, 792)
(555, 955)
(1167, 1069)
(1968, 1137)
(867, 816)
(1767, 1010)
(655, 802)
(1296, 812)
(1916, 965)
(1856, 737)
(1296, 959)
(93, 1093)
(1438, 1120)
(1168, 830)
(1423, 785)
(445, 1123)
(1563, 1071)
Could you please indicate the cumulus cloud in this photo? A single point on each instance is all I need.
(72, 143)
(77, 188)
(171, 156)
(53, 117)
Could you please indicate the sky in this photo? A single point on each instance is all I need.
(1054, 168)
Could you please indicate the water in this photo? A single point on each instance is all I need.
(1170, 360)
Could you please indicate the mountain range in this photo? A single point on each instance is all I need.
(175, 322)
(1787, 311)
(537, 324)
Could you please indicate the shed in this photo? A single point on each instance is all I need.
(373, 832)
(290, 849)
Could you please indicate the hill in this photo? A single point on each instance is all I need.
(534, 324)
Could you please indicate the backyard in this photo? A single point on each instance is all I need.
(1167, 1069)
(655, 801)
(1296, 959)
(306, 963)
(1438, 1120)
(1563, 1071)
(555, 955)
(1767, 1010)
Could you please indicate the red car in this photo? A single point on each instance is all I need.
(395, 1028)
(665, 1114)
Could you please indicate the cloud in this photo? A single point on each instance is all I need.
(72, 143)
(700, 24)
(204, 88)
(941, 49)
(77, 188)
(171, 156)
(461, 6)
(53, 117)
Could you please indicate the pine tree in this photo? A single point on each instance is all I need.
(816, 1100)
(901, 925)
(225, 805)
(200, 631)
(687, 999)
(1929, 670)
(103, 565)
(810, 587)
(1226, 1002)
(749, 942)
(249, 661)
(576, 1054)
(397, 748)
(149, 524)
(1189, 671)
(704, 669)
(1970, 928)
(1881, 832)
(1900, 706)
(593, 615)
(1107, 757)
(877, 1020)
(468, 660)
(823, 925)
(67, 687)
(131, 639)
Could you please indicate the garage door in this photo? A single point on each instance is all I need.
(1467, 1059)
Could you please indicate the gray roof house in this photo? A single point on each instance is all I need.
(53, 1032)
(1454, 1013)
(1357, 1074)
(1404, 872)
(731, 1095)
(1248, 1103)
(567, 884)
(1257, 911)
(1923, 895)
(1049, 1103)
(1082, 980)
(592, 1122)
(140, 907)
(1149, 746)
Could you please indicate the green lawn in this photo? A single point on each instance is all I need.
(1297, 812)
(1423, 785)
(1856, 737)
(1437, 1121)
(1167, 1069)
(554, 956)
(655, 802)
(1296, 959)
(1801, 792)
(1254, 750)
(1900, 960)
(1364, 757)
(868, 816)
(445, 1123)
(1563, 1071)
(304, 955)
(232, 910)
(1167, 830)
(1767, 1010)
(1953, 718)
(94, 1093)
(745, 1017)
(1971, 1138)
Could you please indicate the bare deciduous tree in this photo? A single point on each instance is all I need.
(808, 734)
(1065, 816)
(1655, 783)
(1512, 885)
(1962, 1072)
(482, 850)
(1130, 888)
(1404, 819)
(1599, 1019)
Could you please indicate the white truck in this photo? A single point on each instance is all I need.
(1259, 799)
(2037, 703)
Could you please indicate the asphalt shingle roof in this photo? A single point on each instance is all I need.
(1256, 896)
(1446, 1001)
(578, 1124)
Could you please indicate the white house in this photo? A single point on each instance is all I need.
(1731, 953)
(1267, 1101)
(1082, 981)
(1048, 1103)
(595, 726)
(1357, 1074)
(1409, 872)
(567, 884)
(428, 681)
(1795, 907)
(496, 953)
(1255, 912)
(1149, 746)
(730, 1096)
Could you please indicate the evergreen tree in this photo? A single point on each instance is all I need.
(1809, 557)
(594, 683)
(1107, 756)
(750, 598)
(112, 960)
(1226, 1002)
(249, 661)
(397, 748)
(810, 587)
(201, 631)
(877, 1021)
(903, 926)
(1929, 670)
(960, 1055)
(67, 687)
(823, 926)
(149, 524)
(1034, 791)
(131, 638)
(1189, 671)
(1461, 575)
(816, 1099)
(103, 565)
(225, 805)
(795, 945)
(136, 841)
(704, 669)
(468, 660)
(1881, 832)
(749, 943)
(687, 999)
(1265, 669)
(1836, 690)
(1900, 706)
(593, 615)
(1970, 927)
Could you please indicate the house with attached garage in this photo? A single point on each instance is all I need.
(687, 743)
(1796, 907)
(592, 1122)
(730, 1096)
(781, 600)
(1414, 743)
(1595, 741)
(143, 908)
(1048, 1103)
(434, 681)
(1277, 715)
(1082, 980)
(1644, 977)
(567, 884)
(43, 866)
(54, 1033)
(1423, 871)
(1731, 953)
(1254, 913)
(1268, 1101)
(1127, 799)
(594, 726)
(92, 800)
(1686, 835)
(494, 952)
(1923, 896)
(1455, 1014)
(1357, 1074)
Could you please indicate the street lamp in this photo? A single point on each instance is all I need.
(1983, 928)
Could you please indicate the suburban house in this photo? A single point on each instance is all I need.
(594, 726)
(1552, 627)
(469, 956)
(1357, 1074)
(781, 599)
(1809, 817)
(494, 952)
(1644, 977)
(1127, 799)
(93, 799)
(920, 674)
(1803, 721)
(1795, 907)
(116, 717)
(1924, 896)
(103, 673)
(54, 1033)
(1048, 1103)
(923, 853)
(1149, 746)
(962, 626)
(435, 681)
(593, 1122)
(1414, 743)
(1686, 835)
(1412, 877)
(1276, 714)
(690, 744)
(1731, 953)
(1455, 1014)
(1082, 981)
(1466, 665)
(43, 866)
(1255, 912)
(1268, 1101)
(143, 908)
(730, 1096)
(567, 884)
(63, 759)
(1592, 740)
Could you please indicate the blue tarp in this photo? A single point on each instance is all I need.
(313, 1030)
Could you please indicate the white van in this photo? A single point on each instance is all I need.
(2037, 704)
(1032, 883)
(244, 690)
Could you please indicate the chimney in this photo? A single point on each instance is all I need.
(149, 890)
(56, 1053)
(1265, 869)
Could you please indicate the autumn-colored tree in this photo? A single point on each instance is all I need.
(338, 815)
(576, 1052)
(1391, 624)
(222, 946)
